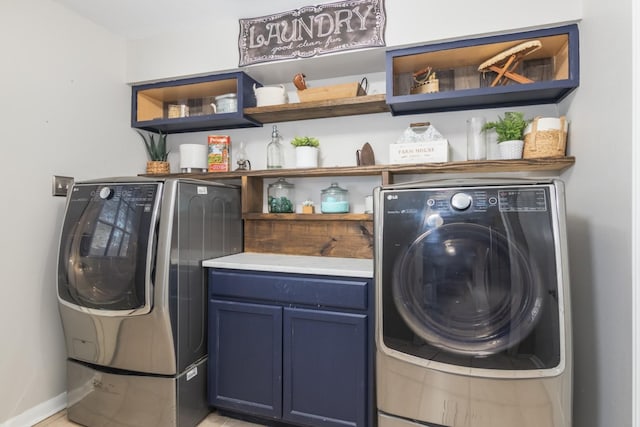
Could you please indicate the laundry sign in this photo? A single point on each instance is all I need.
(312, 30)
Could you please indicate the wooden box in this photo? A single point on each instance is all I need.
(345, 90)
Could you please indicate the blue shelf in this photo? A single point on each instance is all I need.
(149, 103)
(559, 51)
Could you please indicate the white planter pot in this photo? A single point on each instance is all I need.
(511, 149)
(306, 157)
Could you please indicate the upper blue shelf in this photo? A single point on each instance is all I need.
(184, 105)
(533, 67)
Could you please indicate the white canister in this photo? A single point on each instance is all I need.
(193, 158)
(227, 103)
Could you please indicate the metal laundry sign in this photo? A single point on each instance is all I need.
(312, 30)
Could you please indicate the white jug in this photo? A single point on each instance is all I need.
(270, 95)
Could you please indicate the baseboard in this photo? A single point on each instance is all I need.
(38, 413)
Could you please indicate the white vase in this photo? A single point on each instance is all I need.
(511, 149)
(306, 157)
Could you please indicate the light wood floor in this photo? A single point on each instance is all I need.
(212, 420)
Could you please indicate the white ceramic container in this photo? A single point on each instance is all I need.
(511, 149)
(270, 95)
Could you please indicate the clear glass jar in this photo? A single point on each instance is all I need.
(334, 199)
(280, 197)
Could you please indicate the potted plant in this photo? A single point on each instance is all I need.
(510, 131)
(157, 152)
(306, 151)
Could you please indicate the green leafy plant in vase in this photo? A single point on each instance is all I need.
(157, 152)
(510, 131)
(306, 151)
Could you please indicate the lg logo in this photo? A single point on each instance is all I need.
(392, 197)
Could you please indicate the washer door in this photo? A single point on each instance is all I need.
(106, 253)
(467, 289)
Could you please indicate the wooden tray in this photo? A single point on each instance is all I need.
(345, 90)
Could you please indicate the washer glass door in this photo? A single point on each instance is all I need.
(467, 289)
(470, 284)
(106, 248)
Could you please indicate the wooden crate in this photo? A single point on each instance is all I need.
(345, 90)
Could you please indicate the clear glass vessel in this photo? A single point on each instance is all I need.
(280, 197)
(334, 199)
(275, 157)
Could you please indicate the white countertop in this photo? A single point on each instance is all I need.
(325, 266)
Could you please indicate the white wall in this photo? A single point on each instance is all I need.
(599, 200)
(61, 128)
(64, 109)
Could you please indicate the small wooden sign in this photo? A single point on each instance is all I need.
(312, 30)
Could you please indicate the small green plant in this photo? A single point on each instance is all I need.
(305, 141)
(157, 151)
(510, 127)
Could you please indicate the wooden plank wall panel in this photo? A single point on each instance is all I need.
(349, 239)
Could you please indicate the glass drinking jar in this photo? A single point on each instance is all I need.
(334, 199)
(280, 197)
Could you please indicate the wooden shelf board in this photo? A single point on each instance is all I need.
(368, 104)
(520, 165)
(308, 217)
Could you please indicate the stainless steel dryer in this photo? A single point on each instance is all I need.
(472, 316)
(133, 296)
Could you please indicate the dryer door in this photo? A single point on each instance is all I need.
(467, 289)
(471, 284)
(107, 247)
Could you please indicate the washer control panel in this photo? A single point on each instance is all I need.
(467, 200)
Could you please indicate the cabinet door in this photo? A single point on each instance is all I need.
(325, 368)
(245, 357)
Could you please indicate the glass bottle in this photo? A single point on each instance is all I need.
(274, 151)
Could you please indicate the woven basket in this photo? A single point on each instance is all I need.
(545, 143)
(157, 167)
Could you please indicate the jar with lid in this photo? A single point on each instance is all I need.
(334, 199)
(280, 197)
(227, 103)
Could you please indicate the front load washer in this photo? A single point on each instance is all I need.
(472, 314)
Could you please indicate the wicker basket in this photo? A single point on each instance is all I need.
(545, 143)
(157, 167)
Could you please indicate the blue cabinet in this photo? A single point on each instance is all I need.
(245, 349)
(532, 67)
(293, 348)
(184, 105)
(325, 370)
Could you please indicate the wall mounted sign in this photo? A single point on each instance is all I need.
(312, 30)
